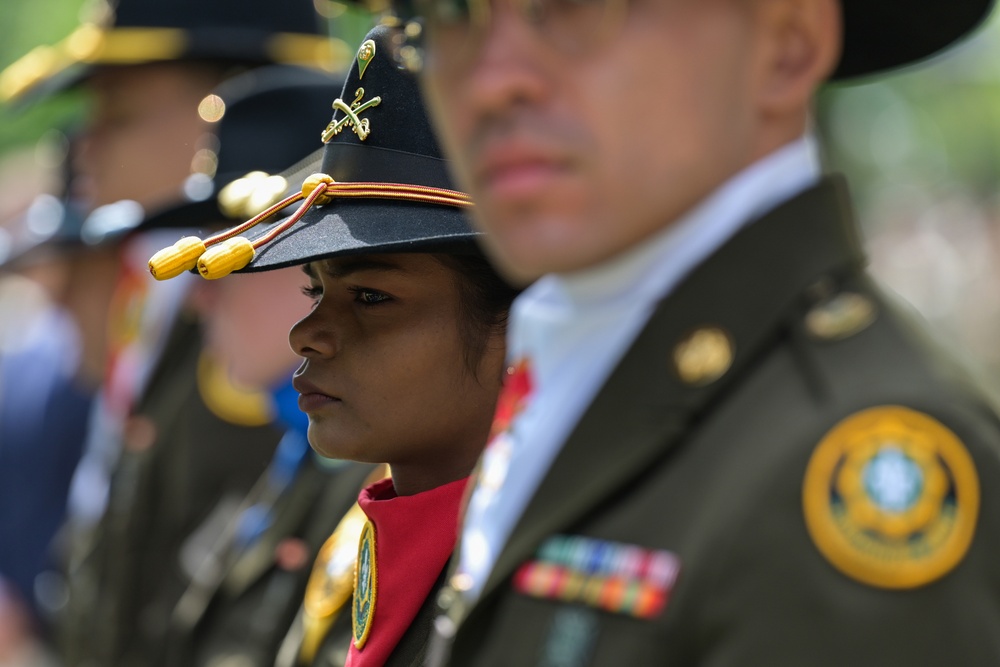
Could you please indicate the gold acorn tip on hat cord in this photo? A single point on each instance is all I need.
(219, 255)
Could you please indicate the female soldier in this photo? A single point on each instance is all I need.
(403, 350)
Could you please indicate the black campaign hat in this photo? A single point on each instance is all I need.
(132, 32)
(384, 185)
(48, 227)
(883, 35)
(395, 143)
(263, 125)
(878, 34)
(52, 224)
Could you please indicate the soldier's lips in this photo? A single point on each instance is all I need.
(314, 402)
(517, 171)
(311, 398)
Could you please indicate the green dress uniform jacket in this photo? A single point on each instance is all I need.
(241, 603)
(174, 470)
(817, 483)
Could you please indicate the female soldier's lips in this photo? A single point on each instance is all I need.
(311, 398)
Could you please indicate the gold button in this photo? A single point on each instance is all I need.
(704, 356)
(841, 316)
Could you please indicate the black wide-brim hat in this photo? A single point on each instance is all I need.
(49, 227)
(882, 35)
(396, 145)
(136, 32)
(879, 35)
(265, 129)
(383, 186)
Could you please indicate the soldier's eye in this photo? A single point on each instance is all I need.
(369, 297)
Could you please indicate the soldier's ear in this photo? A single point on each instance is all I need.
(800, 48)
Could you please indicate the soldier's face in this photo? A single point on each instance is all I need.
(385, 377)
(575, 154)
(142, 134)
(246, 318)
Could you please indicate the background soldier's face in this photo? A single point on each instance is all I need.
(574, 153)
(142, 134)
(246, 319)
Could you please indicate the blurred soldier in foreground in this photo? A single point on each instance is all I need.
(725, 446)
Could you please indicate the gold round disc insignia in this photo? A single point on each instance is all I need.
(891, 498)
(365, 587)
(703, 356)
(331, 583)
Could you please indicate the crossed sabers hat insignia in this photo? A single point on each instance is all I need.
(228, 251)
(361, 127)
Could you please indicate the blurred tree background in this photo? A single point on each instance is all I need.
(26, 24)
(33, 140)
(921, 149)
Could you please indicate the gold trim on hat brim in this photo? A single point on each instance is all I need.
(90, 44)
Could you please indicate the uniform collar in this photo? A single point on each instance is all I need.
(659, 263)
(413, 539)
(748, 288)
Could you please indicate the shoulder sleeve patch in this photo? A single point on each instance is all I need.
(891, 498)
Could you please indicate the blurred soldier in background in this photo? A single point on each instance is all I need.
(245, 567)
(46, 394)
(149, 67)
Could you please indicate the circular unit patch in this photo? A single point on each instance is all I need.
(365, 587)
(331, 584)
(891, 498)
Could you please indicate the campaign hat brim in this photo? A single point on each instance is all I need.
(881, 36)
(208, 215)
(366, 226)
(20, 250)
(49, 70)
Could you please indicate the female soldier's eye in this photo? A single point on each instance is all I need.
(369, 297)
(313, 292)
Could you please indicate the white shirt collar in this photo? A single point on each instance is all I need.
(655, 266)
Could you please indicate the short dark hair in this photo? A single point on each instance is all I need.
(484, 300)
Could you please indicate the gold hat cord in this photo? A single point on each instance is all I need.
(219, 255)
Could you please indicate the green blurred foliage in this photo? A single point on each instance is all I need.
(934, 126)
(347, 22)
(26, 24)
(921, 150)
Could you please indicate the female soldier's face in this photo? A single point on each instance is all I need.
(385, 376)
